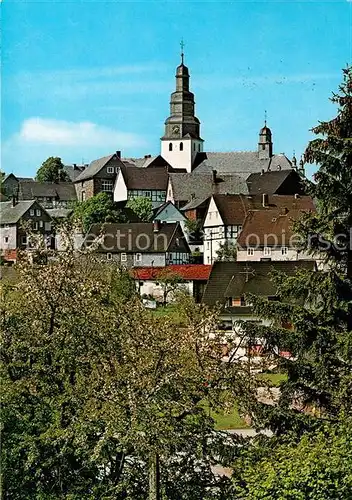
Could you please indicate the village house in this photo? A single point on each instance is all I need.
(226, 215)
(48, 194)
(140, 244)
(192, 279)
(13, 233)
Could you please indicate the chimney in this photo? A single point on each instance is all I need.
(193, 195)
(14, 200)
(147, 156)
(156, 225)
(262, 172)
(75, 165)
(214, 176)
(265, 200)
(118, 154)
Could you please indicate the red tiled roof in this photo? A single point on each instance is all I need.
(188, 272)
(10, 255)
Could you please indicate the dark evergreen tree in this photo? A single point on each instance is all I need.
(312, 320)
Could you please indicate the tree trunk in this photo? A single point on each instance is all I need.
(154, 477)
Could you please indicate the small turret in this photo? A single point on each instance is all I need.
(265, 144)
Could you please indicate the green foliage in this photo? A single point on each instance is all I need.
(141, 206)
(98, 209)
(227, 251)
(169, 281)
(93, 385)
(52, 170)
(317, 467)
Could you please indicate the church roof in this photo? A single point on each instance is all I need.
(186, 187)
(242, 163)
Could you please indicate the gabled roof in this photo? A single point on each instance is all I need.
(242, 163)
(95, 166)
(158, 210)
(269, 227)
(17, 178)
(73, 171)
(233, 209)
(138, 237)
(153, 178)
(187, 187)
(189, 272)
(235, 279)
(272, 181)
(64, 191)
(11, 214)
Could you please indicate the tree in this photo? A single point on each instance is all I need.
(312, 318)
(169, 281)
(195, 229)
(98, 209)
(317, 468)
(141, 206)
(97, 390)
(227, 251)
(52, 170)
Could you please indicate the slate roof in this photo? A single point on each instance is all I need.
(187, 187)
(59, 213)
(235, 279)
(11, 214)
(137, 237)
(64, 191)
(74, 171)
(278, 224)
(242, 163)
(94, 167)
(233, 209)
(270, 182)
(162, 207)
(189, 272)
(153, 178)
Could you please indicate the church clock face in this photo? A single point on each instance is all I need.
(175, 129)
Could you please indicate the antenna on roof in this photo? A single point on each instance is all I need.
(247, 271)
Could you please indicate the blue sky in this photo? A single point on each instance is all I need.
(82, 79)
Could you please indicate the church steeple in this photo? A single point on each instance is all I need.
(265, 144)
(182, 125)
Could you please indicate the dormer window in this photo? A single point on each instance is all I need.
(170, 146)
(181, 146)
(110, 170)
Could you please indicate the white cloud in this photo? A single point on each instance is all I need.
(65, 133)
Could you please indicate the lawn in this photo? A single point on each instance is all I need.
(274, 378)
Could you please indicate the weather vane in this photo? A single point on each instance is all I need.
(182, 45)
(265, 117)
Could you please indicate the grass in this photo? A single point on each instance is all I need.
(274, 378)
(170, 311)
(230, 420)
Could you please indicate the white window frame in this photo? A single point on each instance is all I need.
(109, 256)
(138, 257)
(35, 226)
(267, 251)
(32, 212)
(250, 251)
(124, 257)
(284, 250)
(38, 212)
(110, 170)
(111, 186)
(24, 240)
(41, 223)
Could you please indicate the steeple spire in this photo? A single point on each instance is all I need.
(182, 45)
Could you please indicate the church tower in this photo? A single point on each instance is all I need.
(181, 141)
(265, 145)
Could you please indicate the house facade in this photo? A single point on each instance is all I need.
(15, 215)
(140, 244)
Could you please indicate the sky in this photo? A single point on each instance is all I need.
(82, 79)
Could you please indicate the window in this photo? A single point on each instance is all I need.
(24, 240)
(6, 239)
(250, 251)
(208, 245)
(106, 186)
(35, 226)
(267, 251)
(41, 223)
(110, 170)
(32, 212)
(123, 257)
(138, 257)
(194, 147)
(39, 213)
(108, 256)
(208, 259)
(170, 146)
(181, 146)
(83, 196)
(117, 170)
(284, 251)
